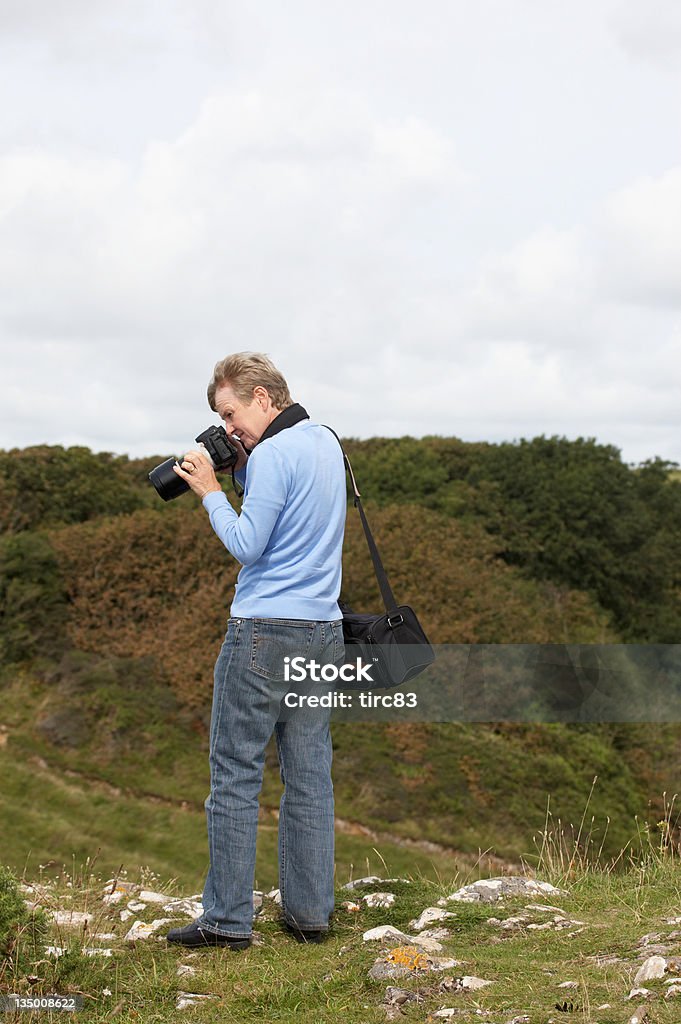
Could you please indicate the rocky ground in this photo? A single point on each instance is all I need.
(510, 950)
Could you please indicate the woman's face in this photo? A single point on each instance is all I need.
(248, 422)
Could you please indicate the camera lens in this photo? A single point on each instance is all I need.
(166, 481)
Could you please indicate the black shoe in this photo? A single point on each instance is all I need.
(302, 935)
(194, 935)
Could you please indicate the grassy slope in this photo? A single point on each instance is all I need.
(133, 784)
(58, 819)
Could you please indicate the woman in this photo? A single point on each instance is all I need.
(288, 538)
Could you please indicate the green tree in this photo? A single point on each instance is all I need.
(572, 512)
(48, 485)
(32, 599)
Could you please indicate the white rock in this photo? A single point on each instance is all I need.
(96, 951)
(673, 981)
(472, 983)
(189, 907)
(435, 933)
(653, 967)
(672, 920)
(54, 950)
(71, 918)
(569, 984)
(429, 916)
(351, 907)
(387, 932)
(35, 887)
(510, 923)
(639, 993)
(368, 880)
(147, 896)
(604, 1006)
(126, 914)
(379, 899)
(444, 963)
(673, 990)
(430, 945)
(160, 922)
(104, 936)
(639, 1016)
(460, 897)
(113, 897)
(488, 890)
(136, 906)
(117, 883)
(185, 969)
(557, 924)
(274, 894)
(383, 931)
(141, 930)
(187, 999)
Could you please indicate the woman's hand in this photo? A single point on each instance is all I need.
(197, 471)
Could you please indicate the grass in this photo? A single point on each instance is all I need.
(101, 808)
(280, 980)
(466, 786)
(57, 818)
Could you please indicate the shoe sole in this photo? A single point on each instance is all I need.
(302, 936)
(234, 944)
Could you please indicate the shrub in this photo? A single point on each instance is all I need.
(21, 930)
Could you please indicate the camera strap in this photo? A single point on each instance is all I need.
(288, 417)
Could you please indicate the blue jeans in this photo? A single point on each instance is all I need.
(247, 704)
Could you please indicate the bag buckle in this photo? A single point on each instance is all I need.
(395, 620)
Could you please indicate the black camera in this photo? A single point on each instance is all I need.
(219, 451)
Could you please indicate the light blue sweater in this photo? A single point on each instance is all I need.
(289, 535)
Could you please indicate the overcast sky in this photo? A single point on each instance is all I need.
(457, 217)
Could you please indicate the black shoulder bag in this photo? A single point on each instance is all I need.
(394, 644)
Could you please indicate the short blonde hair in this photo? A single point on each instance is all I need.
(245, 371)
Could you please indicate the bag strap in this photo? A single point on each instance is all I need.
(381, 575)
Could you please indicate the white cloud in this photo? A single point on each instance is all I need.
(263, 200)
(642, 239)
(535, 290)
(649, 29)
(265, 227)
(97, 32)
(262, 226)
(463, 220)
